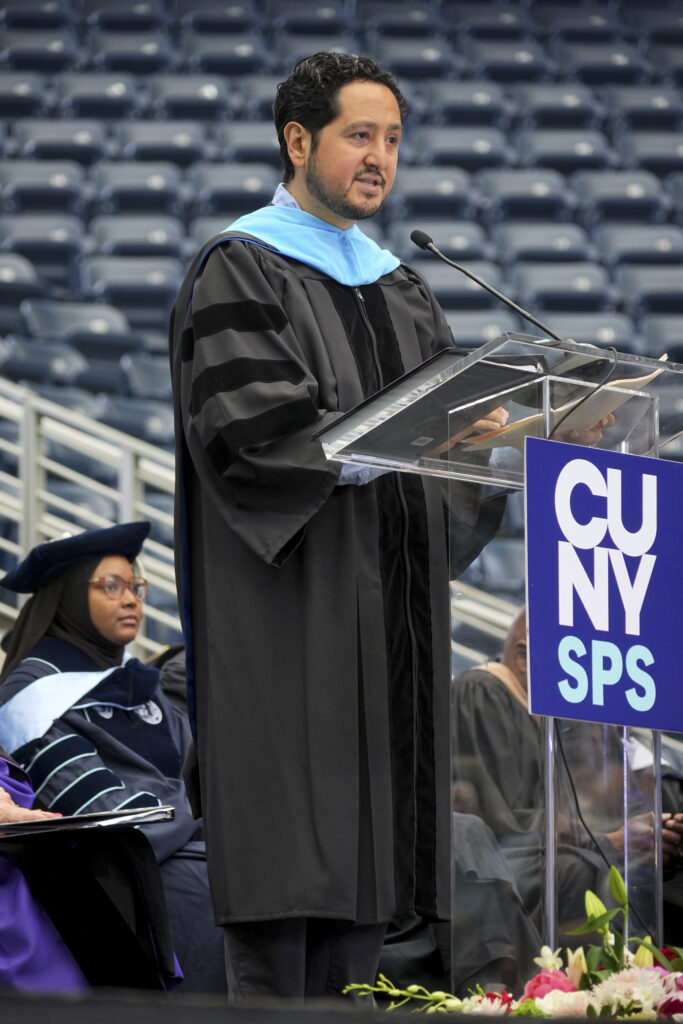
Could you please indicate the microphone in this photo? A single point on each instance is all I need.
(423, 241)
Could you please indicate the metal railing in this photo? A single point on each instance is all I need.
(61, 472)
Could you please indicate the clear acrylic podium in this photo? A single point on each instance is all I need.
(572, 797)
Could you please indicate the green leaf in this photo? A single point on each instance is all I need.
(528, 1009)
(617, 887)
(590, 1011)
(595, 924)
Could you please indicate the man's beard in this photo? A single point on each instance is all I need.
(337, 204)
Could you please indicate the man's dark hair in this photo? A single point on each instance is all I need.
(309, 95)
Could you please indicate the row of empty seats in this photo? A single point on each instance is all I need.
(472, 101)
(491, 195)
(414, 57)
(546, 18)
(186, 142)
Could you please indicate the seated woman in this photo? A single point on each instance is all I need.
(91, 725)
(78, 908)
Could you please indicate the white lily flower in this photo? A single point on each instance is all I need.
(548, 958)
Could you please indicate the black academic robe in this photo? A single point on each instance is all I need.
(316, 614)
(498, 754)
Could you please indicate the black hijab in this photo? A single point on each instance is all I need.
(61, 609)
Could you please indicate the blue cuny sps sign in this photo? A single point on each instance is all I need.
(604, 585)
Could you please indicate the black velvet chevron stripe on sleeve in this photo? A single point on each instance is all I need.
(238, 373)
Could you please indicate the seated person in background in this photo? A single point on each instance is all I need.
(77, 908)
(91, 725)
(497, 749)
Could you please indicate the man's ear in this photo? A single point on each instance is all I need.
(298, 141)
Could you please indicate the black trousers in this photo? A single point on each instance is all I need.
(299, 958)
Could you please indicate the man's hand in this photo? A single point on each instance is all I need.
(641, 835)
(591, 435)
(672, 836)
(493, 420)
(11, 812)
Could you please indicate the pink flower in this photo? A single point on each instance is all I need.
(546, 982)
(670, 1006)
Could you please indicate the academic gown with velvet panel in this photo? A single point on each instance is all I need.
(316, 613)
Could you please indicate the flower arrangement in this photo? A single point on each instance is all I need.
(607, 980)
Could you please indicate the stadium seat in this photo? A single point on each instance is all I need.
(479, 102)
(643, 107)
(556, 105)
(140, 53)
(674, 191)
(90, 327)
(578, 24)
(44, 50)
(248, 142)
(488, 21)
(469, 148)
(291, 47)
(254, 96)
(137, 187)
(412, 19)
(147, 376)
(145, 418)
(650, 289)
(102, 376)
(177, 142)
(564, 149)
(654, 23)
(517, 60)
(143, 287)
(471, 329)
(23, 359)
(80, 139)
(89, 94)
(639, 243)
(658, 152)
(619, 195)
(431, 191)
(22, 94)
(232, 54)
(201, 229)
(137, 235)
(583, 286)
(540, 194)
(18, 280)
(459, 240)
(35, 14)
(307, 17)
(231, 188)
(598, 329)
(418, 59)
(205, 97)
(597, 63)
(554, 242)
(669, 58)
(54, 248)
(49, 186)
(500, 569)
(217, 16)
(663, 334)
(456, 291)
(123, 15)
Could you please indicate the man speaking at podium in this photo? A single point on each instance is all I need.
(314, 598)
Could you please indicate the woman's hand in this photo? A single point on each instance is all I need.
(11, 812)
